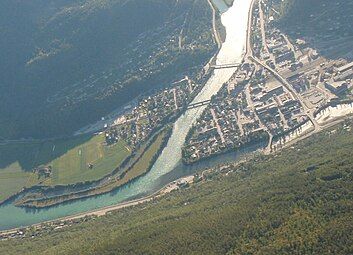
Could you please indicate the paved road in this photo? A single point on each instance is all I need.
(219, 130)
(296, 95)
(214, 26)
(262, 25)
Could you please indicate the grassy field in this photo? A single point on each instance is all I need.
(69, 160)
(72, 167)
(13, 179)
(16, 161)
(142, 162)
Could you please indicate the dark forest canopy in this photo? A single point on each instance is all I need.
(67, 63)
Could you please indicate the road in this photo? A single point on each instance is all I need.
(295, 95)
(103, 211)
(262, 25)
(219, 130)
(214, 26)
(248, 51)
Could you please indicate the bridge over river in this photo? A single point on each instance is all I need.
(198, 104)
(168, 166)
(225, 66)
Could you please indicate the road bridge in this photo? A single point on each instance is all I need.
(198, 104)
(225, 66)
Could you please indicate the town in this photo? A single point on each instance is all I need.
(281, 86)
(154, 111)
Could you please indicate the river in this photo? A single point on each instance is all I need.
(168, 166)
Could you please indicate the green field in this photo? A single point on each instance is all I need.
(141, 164)
(144, 162)
(69, 160)
(72, 167)
(13, 179)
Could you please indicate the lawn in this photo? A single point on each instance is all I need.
(69, 159)
(72, 167)
(143, 163)
(13, 179)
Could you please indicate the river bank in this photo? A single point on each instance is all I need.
(138, 168)
(44, 191)
(168, 166)
(103, 211)
(174, 185)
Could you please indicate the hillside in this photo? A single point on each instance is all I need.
(298, 201)
(67, 63)
(324, 24)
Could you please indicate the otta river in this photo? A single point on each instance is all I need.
(168, 166)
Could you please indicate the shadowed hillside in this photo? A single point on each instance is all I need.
(66, 63)
(325, 25)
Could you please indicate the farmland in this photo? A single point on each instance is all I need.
(69, 160)
(72, 167)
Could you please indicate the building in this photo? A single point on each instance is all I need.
(285, 56)
(345, 67)
(347, 74)
(276, 91)
(337, 87)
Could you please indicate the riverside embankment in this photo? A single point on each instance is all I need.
(168, 166)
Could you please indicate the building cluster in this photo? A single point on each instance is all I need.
(277, 90)
(252, 107)
(279, 51)
(338, 77)
(228, 123)
(152, 113)
(275, 107)
(256, 39)
(312, 76)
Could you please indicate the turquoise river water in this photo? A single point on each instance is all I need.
(168, 166)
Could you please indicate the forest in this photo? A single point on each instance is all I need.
(67, 63)
(323, 20)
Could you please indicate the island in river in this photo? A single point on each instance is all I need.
(168, 166)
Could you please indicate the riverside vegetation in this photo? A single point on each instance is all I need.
(135, 166)
(67, 158)
(298, 201)
(163, 48)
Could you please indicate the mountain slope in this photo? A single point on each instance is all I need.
(79, 59)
